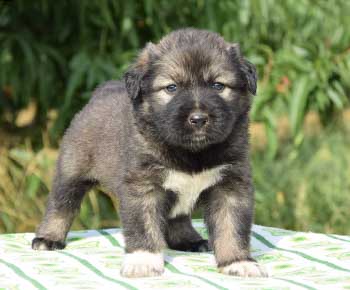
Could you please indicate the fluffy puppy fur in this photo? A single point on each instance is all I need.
(172, 136)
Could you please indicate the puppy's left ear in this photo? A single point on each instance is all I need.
(251, 75)
(246, 67)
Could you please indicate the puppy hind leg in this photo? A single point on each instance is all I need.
(182, 236)
(63, 205)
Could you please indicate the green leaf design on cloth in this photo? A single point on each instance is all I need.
(92, 260)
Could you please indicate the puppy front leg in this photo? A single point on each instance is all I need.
(228, 215)
(143, 219)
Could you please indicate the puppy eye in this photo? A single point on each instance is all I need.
(171, 88)
(217, 86)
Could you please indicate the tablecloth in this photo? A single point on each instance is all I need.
(92, 260)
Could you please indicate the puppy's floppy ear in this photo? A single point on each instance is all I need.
(133, 78)
(251, 75)
(135, 74)
(247, 68)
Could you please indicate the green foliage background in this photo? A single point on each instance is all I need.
(53, 54)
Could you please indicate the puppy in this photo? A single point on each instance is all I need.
(172, 136)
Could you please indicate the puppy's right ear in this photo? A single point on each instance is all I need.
(134, 76)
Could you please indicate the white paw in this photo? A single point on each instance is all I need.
(142, 264)
(244, 269)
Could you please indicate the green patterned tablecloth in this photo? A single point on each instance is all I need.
(92, 260)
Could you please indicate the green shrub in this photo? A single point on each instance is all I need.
(307, 189)
(56, 54)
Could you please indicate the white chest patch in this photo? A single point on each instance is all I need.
(189, 186)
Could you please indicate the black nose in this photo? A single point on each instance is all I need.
(198, 119)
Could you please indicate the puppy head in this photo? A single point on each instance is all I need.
(190, 88)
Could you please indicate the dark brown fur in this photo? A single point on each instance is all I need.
(131, 135)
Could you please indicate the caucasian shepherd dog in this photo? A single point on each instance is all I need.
(170, 137)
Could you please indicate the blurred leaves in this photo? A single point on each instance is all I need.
(56, 54)
(53, 56)
(308, 193)
(298, 104)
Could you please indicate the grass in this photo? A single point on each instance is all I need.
(25, 180)
(304, 188)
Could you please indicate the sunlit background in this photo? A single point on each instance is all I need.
(53, 54)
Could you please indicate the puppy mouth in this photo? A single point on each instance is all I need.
(196, 141)
(199, 136)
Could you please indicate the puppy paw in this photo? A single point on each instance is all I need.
(189, 246)
(142, 264)
(200, 246)
(244, 269)
(47, 245)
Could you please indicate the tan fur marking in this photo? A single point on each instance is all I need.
(55, 227)
(226, 94)
(227, 78)
(161, 82)
(151, 220)
(162, 97)
(225, 244)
